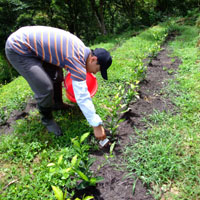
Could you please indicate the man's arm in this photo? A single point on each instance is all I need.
(86, 105)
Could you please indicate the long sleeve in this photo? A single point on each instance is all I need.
(85, 103)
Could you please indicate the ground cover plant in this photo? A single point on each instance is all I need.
(13, 97)
(166, 155)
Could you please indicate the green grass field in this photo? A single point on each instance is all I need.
(166, 157)
(29, 150)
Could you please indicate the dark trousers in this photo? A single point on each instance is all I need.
(44, 79)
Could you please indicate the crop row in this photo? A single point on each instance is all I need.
(29, 150)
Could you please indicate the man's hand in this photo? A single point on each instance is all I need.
(99, 132)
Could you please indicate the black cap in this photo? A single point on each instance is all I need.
(104, 60)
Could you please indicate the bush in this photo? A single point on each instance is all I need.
(198, 22)
(7, 72)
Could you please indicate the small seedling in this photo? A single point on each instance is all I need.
(62, 196)
(77, 173)
(112, 148)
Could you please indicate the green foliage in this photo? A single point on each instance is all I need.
(7, 72)
(76, 173)
(60, 196)
(105, 17)
(16, 93)
(58, 193)
(198, 22)
(8, 16)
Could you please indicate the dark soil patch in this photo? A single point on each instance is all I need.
(7, 127)
(116, 185)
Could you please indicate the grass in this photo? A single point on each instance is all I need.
(13, 97)
(26, 152)
(166, 156)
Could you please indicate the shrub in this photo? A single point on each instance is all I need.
(7, 73)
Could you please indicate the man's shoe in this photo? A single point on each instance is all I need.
(52, 126)
(61, 106)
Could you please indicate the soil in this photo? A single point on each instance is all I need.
(7, 127)
(116, 184)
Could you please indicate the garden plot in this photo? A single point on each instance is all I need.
(116, 184)
(36, 149)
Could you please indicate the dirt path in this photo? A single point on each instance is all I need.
(115, 186)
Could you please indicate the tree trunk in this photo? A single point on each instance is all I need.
(99, 15)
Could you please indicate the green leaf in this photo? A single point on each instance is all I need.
(58, 193)
(60, 159)
(52, 170)
(93, 181)
(67, 170)
(74, 160)
(112, 147)
(76, 143)
(134, 184)
(88, 198)
(65, 176)
(50, 165)
(84, 136)
(121, 120)
(82, 175)
(99, 178)
(91, 161)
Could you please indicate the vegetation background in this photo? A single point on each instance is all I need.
(33, 162)
(91, 20)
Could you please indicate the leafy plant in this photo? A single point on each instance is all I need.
(7, 73)
(114, 121)
(60, 196)
(120, 102)
(131, 92)
(77, 174)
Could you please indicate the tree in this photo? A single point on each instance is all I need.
(98, 10)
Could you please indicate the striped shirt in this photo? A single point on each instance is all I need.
(54, 46)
